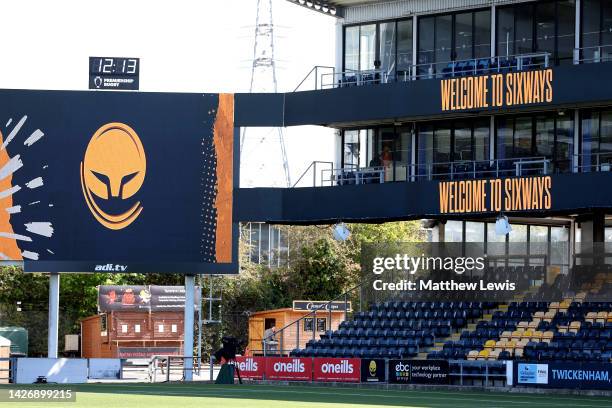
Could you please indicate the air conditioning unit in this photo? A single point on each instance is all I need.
(71, 342)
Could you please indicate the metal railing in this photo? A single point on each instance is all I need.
(313, 167)
(593, 162)
(167, 365)
(456, 170)
(354, 78)
(481, 66)
(428, 70)
(595, 54)
(315, 72)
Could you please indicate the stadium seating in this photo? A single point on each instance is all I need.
(576, 328)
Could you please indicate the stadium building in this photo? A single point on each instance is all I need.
(462, 113)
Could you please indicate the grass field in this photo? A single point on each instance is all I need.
(182, 395)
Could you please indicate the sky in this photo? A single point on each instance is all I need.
(183, 46)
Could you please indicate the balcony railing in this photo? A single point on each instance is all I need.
(588, 55)
(457, 170)
(440, 70)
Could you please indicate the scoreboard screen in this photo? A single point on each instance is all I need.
(114, 73)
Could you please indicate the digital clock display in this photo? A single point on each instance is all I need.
(113, 66)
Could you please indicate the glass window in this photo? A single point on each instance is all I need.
(386, 147)
(482, 34)
(496, 244)
(505, 137)
(442, 150)
(308, 324)
(321, 324)
(351, 48)
(517, 243)
(387, 48)
(453, 231)
(254, 242)
(404, 48)
(524, 29)
(522, 137)
(426, 44)
(351, 149)
(443, 41)
(474, 231)
(505, 31)
(425, 149)
(538, 243)
(545, 27)
(559, 238)
(590, 139)
(591, 27)
(605, 136)
(463, 142)
(481, 140)
(606, 28)
(265, 243)
(564, 144)
(403, 154)
(566, 28)
(463, 36)
(367, 47)
(545, 135)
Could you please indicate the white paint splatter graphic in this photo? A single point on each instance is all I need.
(14, 209)
(30, 255)
(15, 236)
(9, 191)
(34, 203)
(34, 137)
(51, 252)
(37, 182)
(9, 122)
(12, 166)
(14, 132)
(41, 228)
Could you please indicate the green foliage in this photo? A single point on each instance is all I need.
(320, 268)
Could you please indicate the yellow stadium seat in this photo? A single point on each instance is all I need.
(483, 354)
(489, 344)
(507, 335)
(522, 325)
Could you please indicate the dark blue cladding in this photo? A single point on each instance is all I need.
(174, 232)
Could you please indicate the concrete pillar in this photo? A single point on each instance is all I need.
(52, 334)
(188, 329)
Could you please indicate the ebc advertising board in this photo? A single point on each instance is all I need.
(118, 182)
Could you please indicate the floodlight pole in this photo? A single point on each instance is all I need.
(188, 329)
(54, 282)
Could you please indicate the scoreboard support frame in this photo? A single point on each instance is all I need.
(52, 334)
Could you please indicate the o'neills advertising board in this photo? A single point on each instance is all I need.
(373, 370)
(337, 369)
(250, 367)
(287, 368)
(495, 195)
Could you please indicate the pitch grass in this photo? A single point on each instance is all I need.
(183, 395)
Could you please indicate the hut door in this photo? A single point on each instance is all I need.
(256, 331)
